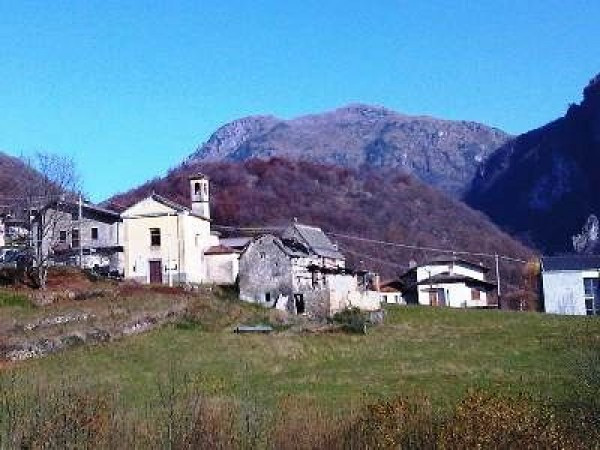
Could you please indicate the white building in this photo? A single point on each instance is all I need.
(391, 293)
(571, 285)
(448, 282)
(164, 242)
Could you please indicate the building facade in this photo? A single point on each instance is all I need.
(571, 285)
(165, 242)
(72, 234)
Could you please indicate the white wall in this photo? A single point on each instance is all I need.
(564, 291)
(426, 271)
(222, 268)
(458, 295)
(394, 298)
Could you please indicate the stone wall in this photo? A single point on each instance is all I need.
(265, 275)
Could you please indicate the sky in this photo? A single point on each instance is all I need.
(131, 88)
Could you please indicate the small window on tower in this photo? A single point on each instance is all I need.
(94, 233)
(197, 188)
(205, 189)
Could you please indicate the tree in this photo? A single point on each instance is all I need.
(56, 181)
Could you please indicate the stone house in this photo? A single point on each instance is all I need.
(571, 284)
(165, 242)
(64, 236)
(302, 272)
(448, 282)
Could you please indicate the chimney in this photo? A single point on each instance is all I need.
(199, 195)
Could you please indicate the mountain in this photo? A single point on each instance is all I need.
(14, 176)
(442, 153)
(375, 204)
(543, 186)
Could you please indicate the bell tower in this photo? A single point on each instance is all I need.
(200, 195)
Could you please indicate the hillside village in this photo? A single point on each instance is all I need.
(296, 268)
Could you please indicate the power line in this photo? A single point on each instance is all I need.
(424, 248)
(381, 242)
(376, 259)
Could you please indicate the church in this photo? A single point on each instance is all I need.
(165, 242)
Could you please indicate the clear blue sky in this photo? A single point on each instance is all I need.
(130, 88)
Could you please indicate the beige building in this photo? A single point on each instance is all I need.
(164, 242)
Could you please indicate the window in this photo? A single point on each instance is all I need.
(591, 287)
(95, 234)
(62, 237)
(267, 297)
(475, 294)
(75, 238)
(155, 237)
(196, 188)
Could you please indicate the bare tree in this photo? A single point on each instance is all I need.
(56, 181)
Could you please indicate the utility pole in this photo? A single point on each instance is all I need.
(498, 279)
(169, 271)
(80, 232)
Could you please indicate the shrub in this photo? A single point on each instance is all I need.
(391, 424)
(14, 300)
(352, 320)
(484, 420)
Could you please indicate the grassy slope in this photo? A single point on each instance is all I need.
(436, 352)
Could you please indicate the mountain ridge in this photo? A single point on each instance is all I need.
(444, 153)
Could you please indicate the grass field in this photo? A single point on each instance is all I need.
(438, 354)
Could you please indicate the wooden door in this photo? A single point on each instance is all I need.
(156, 272)
(432, 298)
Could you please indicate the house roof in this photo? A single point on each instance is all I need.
(236, 242)
(198, 176)
(220, 250)
(85, 207)
(392, 286)
(570, 262)
(461, 262)
(317, 241)
(292, 247)
(170, 204)
(447, 278)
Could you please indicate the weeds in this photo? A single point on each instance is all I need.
(180, 416)
(14, 300)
